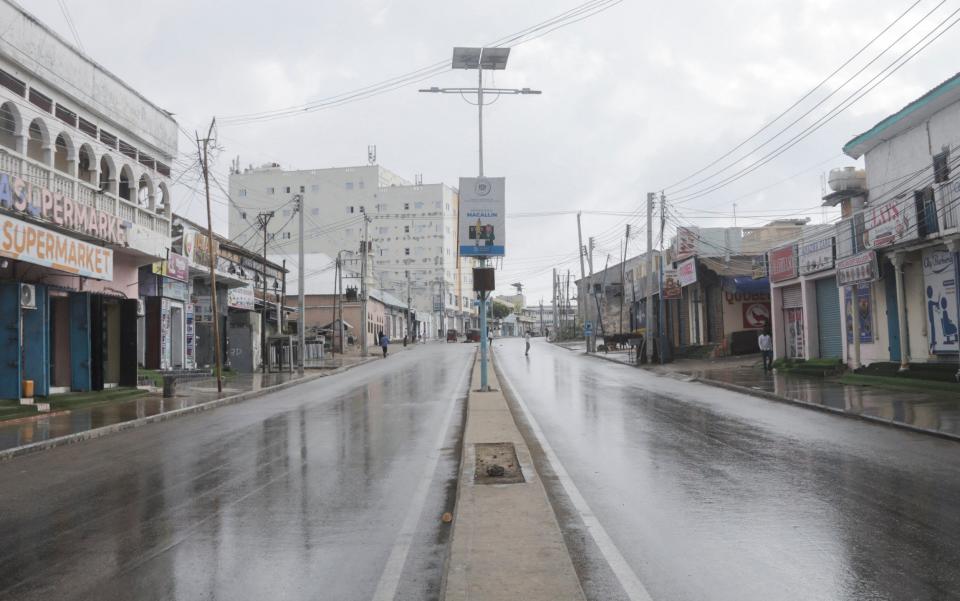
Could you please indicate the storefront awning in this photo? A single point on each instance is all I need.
(745, 284)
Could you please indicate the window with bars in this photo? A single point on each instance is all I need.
(12, 83)
(941, 166)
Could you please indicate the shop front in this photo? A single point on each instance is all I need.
(165, 296)
(69, 325)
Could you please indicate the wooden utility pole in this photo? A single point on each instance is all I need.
(263, 219)
(363, 291)
(203, 156)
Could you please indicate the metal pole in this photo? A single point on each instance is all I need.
(648, 336)
(213, 259)
(480, 115)
(264, 220)
(363, 292)
(301, 272)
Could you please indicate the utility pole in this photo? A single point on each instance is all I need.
(648, 314)
(363, 290)
(283, 298)
(591, 340)
(202, 147)
(263, 219)
(623, 275)
(301, 274)
(662, 314)
(581, 304)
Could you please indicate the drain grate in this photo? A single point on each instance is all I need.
(496, 463)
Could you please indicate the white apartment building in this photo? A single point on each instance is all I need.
(412, 229)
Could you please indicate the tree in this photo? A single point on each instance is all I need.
(501, 310)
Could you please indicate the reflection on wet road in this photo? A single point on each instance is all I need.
(711, 494)
(303, 494)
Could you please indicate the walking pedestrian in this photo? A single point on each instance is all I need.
(384, 343)
(765, 342)
(526, 339)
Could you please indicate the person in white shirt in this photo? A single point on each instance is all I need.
(526, 338)
(765, 342)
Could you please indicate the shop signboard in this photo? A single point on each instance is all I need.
(174, 289)
(241, 298)
(891, 222)
(860, 268)
(30, 243)
(196, 248)
(940, 298)
(864, 312)
(687, 271)
(783, 263)
(816, 255)
(59, 209)
(177, 267)
(686, 242)
(672, 289)
(482, 226)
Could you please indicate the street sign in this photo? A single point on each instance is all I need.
(588, 328)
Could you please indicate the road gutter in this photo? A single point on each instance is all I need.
(507, 543)
(93, 433)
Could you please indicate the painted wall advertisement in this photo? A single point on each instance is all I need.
(816, 255)
(33, 244)
(940, 297)
(196, 248)
(482, 226)
(687, 271)
(864, 312)
(891, 222)
(794, 333)
(783, 263)
(858, 269)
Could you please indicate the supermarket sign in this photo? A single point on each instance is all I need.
(24, 241)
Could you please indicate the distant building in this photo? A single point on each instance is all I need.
(412, 231)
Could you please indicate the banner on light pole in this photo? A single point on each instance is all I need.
(482, 226)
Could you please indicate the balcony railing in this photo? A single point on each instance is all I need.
(81, 191)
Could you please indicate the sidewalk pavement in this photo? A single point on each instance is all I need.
(197, 394)
(506, 540)
(931, 412)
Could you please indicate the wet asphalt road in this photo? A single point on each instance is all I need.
(329, 490)
(711, 494)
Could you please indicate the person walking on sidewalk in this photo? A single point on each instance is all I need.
(526, 339)
(384, 343)
(765, 342)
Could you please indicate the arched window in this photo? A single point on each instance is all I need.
(63, 153)
(107, 174)
(163, 199)
(126, 189)
(86, 163)
(9, 125)
(144, 191)
(38, 139)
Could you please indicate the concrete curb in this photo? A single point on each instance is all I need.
(782, 399)
(832, 410)
(44, 445)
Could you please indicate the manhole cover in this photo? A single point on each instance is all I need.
(496, 463)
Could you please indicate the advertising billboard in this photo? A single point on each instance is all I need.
(940, 298)
(482, 224)
(783, 263)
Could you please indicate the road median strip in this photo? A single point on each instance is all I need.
(507, 543)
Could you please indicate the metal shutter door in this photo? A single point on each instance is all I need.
(792, 297)
(828, 318)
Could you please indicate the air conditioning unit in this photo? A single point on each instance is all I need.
(28, 296)
(141, 308)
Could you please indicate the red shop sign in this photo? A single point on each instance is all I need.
(783, 263)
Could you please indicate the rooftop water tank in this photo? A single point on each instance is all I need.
(847, 178)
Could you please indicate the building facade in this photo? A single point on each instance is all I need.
(412, 229)
(84, 203)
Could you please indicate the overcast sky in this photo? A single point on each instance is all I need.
(634, 98)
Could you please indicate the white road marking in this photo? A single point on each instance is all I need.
(621, 569)
(390, 578)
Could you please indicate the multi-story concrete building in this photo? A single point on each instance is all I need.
(412, 229)
(84, 203)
